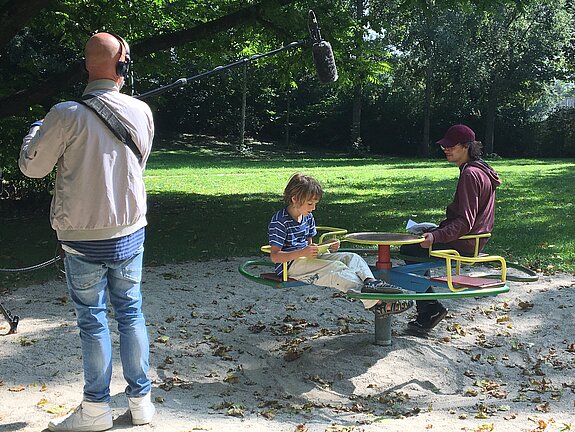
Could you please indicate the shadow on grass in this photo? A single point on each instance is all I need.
(210, 152)
(530, 216)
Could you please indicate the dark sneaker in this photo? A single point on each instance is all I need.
(381, 287)
(392, 307)
(428, 320)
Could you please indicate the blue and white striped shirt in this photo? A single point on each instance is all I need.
(288, 234)
(116, 249)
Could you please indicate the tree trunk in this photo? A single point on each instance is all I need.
(356, 144)
(288, 113)
(424, 148)
(488, 145)
(356, 119)
(241, 143)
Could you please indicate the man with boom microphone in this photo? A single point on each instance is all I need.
(100, 147)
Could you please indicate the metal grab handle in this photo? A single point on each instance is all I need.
(452, 255)
(331, 231)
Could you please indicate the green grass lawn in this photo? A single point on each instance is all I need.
(206, 201)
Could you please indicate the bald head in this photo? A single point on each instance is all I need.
(102, 52)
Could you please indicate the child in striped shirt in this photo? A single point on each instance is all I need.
(291, 233)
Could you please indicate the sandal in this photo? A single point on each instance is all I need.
(393, 307)
(380, 287)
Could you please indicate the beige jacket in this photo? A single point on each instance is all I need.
(99, 192)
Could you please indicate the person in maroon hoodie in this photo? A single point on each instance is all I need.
(471, 212)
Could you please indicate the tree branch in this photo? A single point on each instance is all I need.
(19, 101)
(15, 14)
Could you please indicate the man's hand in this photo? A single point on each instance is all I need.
(426, 244)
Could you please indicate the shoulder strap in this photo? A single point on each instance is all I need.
(112, 121)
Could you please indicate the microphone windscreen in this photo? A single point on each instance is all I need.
(324, 62)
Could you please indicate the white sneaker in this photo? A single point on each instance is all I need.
(142, 409)
(88, 417)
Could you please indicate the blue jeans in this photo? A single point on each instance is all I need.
(88, 281)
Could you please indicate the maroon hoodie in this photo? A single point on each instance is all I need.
(472, 209)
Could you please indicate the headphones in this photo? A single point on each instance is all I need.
(122, 67)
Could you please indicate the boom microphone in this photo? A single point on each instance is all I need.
(322, 53)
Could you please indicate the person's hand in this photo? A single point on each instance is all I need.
(334, 246)
(310, 251)
(426, 244)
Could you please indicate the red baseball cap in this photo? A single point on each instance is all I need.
(456, 134)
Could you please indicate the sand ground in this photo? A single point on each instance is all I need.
(232, 355)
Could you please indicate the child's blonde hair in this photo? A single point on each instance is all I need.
(303, 188)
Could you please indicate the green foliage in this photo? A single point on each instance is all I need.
(15, 186)
(515, 48)
(478, 53)
(556, 135)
